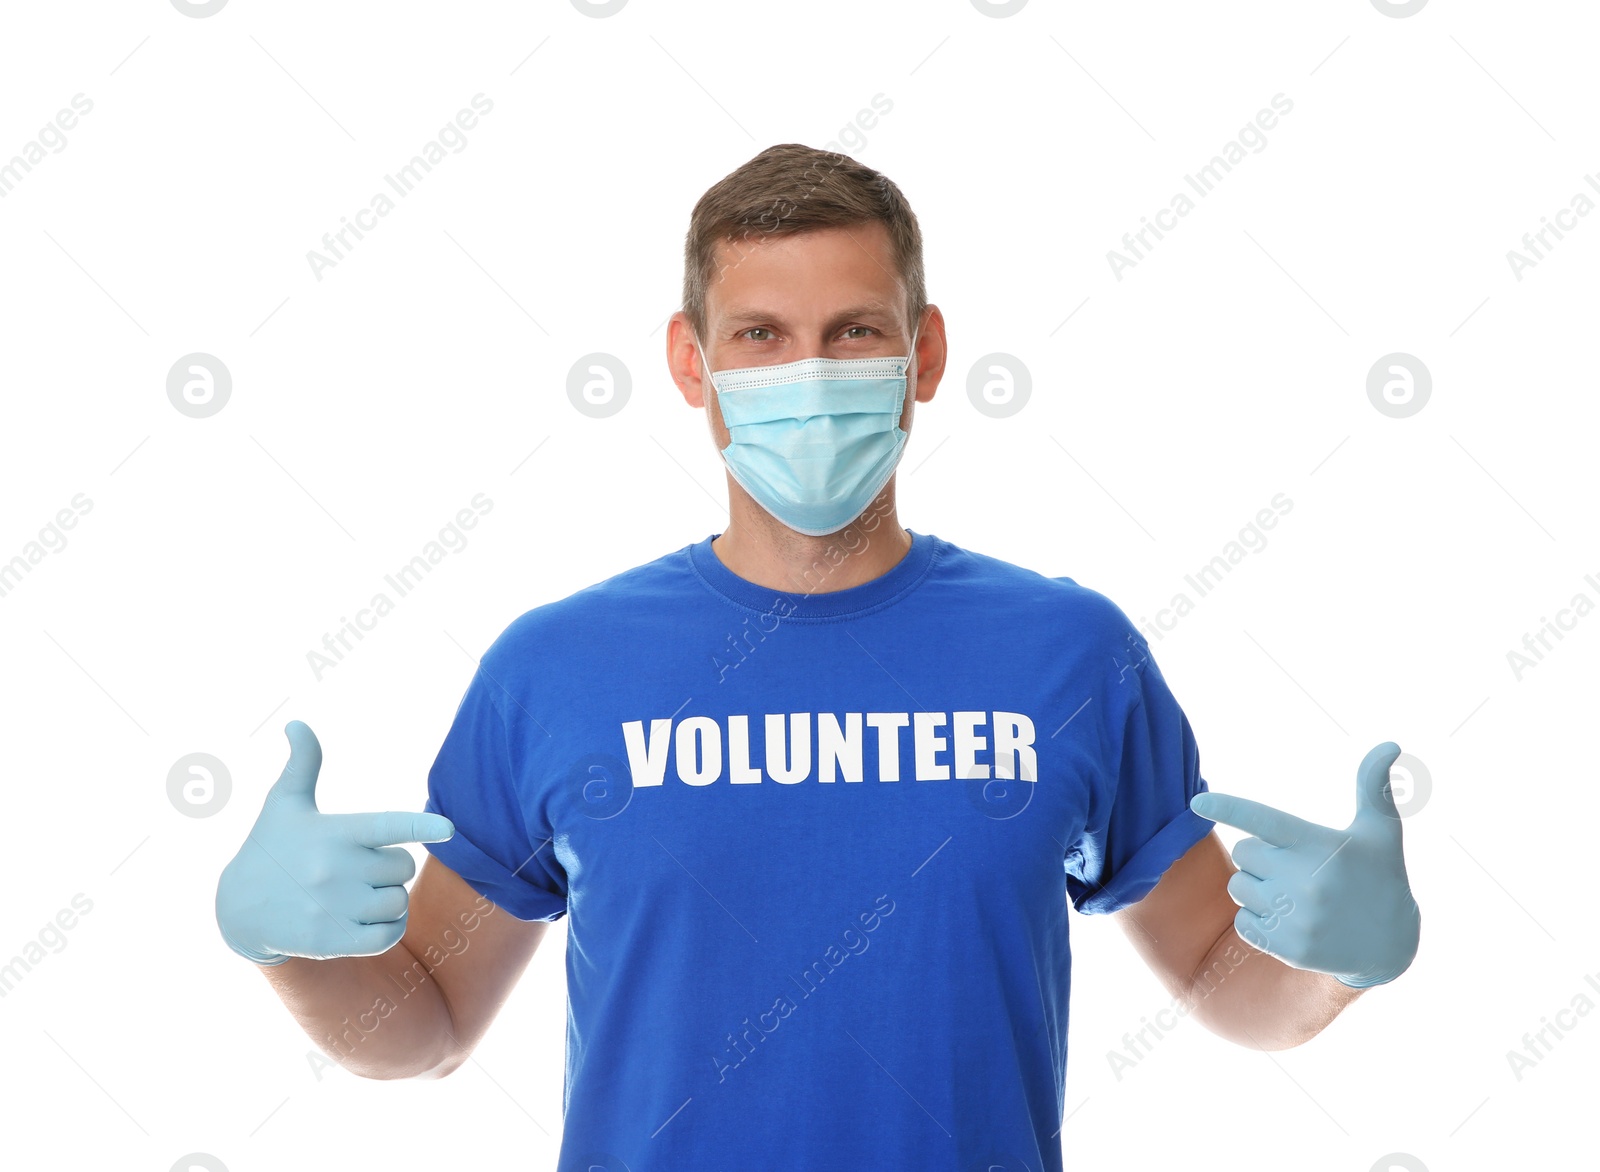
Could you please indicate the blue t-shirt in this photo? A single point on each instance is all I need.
(816, 848)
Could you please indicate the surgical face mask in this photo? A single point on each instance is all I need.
(813, 441)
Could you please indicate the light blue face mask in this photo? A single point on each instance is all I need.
(813, 441)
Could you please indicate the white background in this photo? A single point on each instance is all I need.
(370, 405)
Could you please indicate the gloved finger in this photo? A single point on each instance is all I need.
(1375, 806)
(373, 939)
(1252, 930)
(1372, 779)
(1257, 818)
(1258, 858)
(382, 905)
(1250, 893)
(296, 787)
(396, 826)
(388, 866)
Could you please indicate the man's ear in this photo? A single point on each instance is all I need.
(683, 360)
(931, 349)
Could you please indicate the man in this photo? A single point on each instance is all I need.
(813, 792)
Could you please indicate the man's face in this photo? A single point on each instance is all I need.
(828, 293)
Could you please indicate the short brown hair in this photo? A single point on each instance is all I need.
(792, 188)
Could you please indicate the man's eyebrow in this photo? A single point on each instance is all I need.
(739, 315)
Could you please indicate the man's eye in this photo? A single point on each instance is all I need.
(868, 329)
(756, 330)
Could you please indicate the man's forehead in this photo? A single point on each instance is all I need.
(869, 235)
(829, 273)
(737, 313)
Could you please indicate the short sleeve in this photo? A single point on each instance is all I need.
(1139, 821)
(474, 782)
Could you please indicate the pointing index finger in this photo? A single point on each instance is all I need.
(1265, 822)
(398, 827)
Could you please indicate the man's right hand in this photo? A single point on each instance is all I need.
(319, 885)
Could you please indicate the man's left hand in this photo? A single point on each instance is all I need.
(1337, 901)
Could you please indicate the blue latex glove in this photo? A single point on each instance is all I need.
(319, 885)
(1337, 901)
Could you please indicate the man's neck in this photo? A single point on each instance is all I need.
(761, 550)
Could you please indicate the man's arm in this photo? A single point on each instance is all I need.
(1184, 930)
(501, 946)
(419, 1009)
(1336, 905)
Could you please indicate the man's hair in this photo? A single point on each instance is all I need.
(793, 188)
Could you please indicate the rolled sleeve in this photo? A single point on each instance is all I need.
(1139, 820)
(475, 783)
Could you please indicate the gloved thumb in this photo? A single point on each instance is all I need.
(297, 784)
(1374, 797)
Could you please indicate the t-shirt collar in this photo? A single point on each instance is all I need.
(815, 600)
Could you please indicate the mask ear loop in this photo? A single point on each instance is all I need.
(911, 356)
(699, 349)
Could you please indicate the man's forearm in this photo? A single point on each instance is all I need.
(377, 1016)
(1249, 997)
